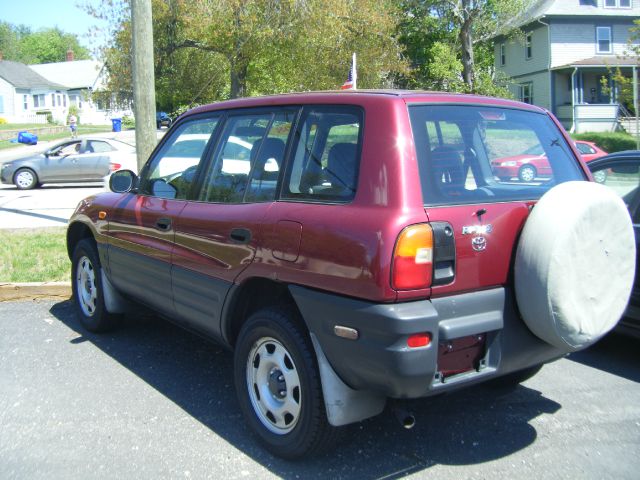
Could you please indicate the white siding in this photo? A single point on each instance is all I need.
(541, 88)
(7, 93)
(516, 61)
(572, 42)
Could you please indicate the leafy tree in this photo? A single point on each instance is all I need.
(212, 50)
(20, 44)
(51, 45)
(9, 40)
(272, 46)
(450, 40)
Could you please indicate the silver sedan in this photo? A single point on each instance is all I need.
(78, 160)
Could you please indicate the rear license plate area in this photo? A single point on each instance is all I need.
(461, 355)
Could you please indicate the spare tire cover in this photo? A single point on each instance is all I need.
(575, 265)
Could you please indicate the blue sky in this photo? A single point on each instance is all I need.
(65, 14)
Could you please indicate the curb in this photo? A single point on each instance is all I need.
(32, 291)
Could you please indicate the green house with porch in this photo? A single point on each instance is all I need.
(567, 48)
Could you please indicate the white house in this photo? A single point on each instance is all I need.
(27, 97)
(567, 48)
(80, 78)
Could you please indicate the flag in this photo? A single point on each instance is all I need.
(350, 84)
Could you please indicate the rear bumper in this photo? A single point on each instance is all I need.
(380, 360)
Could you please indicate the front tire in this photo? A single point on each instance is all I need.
(88, 294)
(25, 179)
(278, 385)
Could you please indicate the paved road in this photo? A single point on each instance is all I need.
(49, 206)
(52, 204)
(151, 401)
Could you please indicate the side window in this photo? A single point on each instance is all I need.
(326, 155)
(96, 146)
(267, 156)
(585, 148)
(68, 149)
(171, 173)
(624, 179)
(229, 173)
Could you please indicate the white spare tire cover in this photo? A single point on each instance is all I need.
(575, 265)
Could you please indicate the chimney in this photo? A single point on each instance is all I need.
(69, 55)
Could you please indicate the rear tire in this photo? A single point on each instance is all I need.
(25, 179)
(527, 173)
(88, 294)
(278, 385)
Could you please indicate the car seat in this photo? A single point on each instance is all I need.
(448, 173)
(341, 170)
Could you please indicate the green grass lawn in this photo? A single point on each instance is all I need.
(38, 255)
(21, 126)
(82, 130)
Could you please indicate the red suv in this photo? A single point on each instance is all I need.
(357, 247)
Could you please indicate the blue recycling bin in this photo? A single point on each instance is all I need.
(27, 138)
(116, 124)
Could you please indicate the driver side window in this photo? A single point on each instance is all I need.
(171, 173)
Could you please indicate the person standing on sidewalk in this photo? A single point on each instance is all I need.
(73, 126)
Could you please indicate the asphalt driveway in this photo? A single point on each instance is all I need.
(153, 401)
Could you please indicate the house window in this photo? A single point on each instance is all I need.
(503, 58)
(53, 99)
(526, 92)
(25, 102)
(38, 101)
(603, 39)
(527, 46)
(617, 3)
(64, 100)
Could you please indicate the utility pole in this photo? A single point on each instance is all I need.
(144, 92)
(635, 105)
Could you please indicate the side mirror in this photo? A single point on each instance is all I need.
(122, 181)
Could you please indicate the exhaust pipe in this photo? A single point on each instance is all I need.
(404, 417)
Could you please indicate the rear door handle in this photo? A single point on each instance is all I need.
(240, 235)
(163, 224)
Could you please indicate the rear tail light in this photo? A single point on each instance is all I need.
(419, 340)
(412, 267)
(115, 167)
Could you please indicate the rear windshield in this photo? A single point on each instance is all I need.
(475, 154)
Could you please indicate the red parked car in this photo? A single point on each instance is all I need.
(533, 165)
(361, 253)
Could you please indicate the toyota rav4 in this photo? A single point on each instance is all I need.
(356, 247)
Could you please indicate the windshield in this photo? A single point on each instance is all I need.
(475, 154)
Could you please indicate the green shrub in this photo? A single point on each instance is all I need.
(609, 141)
(128, 122)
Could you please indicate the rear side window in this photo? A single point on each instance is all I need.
(96, 146)
(326, 155)
(247, 162)
(475, 154)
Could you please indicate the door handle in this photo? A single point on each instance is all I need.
(240, 235)
(163, 224)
